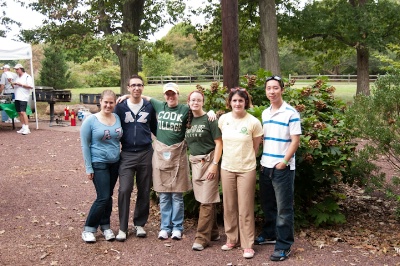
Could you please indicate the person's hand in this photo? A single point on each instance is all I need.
(90, 176)
(213, 172)
(122, 98)
(280, 166)
(211, 115)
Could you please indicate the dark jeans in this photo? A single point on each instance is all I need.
(276, 194)
(134, 164)
(105, 177)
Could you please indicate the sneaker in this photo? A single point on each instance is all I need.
(260, 240)
(121, 237)
(21, 130)
(16, 120)
(140, 231)
(88, 237)
(248, 253)
(280, 255)
(163, 235)
(197, 246)
(26, 131)
(109, 235)
(228, 246)
(215, 238)
(177, 235)
(9, 120)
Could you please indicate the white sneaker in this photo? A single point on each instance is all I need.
(16, 120)
(140, 231)
(21, 130)
(163, 235)
(9, 120)
(26, 131)
(88, 237)
(121, 237)
(177, 235)
(109, 235)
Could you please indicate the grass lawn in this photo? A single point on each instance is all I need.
(344, 90)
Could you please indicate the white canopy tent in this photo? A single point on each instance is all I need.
(12, 50)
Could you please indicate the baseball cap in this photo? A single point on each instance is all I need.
(18, 66)
(6, 66)
(171, 87)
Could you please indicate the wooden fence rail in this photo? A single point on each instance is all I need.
(210, 78)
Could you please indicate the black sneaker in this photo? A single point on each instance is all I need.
(260, 240)
(280, 255)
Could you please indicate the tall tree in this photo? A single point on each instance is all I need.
(89, 27)
(254, 32)
(54, 71)
(230, 42)
(339, 24)
(268, 40)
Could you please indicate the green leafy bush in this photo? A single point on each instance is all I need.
(326, 149)
(376, 120)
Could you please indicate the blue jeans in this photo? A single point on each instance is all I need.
(277, 195)
(105, 177)
(172, 211)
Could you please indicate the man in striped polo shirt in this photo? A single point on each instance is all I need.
(282, 130)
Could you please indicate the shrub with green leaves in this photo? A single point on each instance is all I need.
(326, 148)
(376, 120)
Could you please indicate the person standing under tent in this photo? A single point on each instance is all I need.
(22, 85)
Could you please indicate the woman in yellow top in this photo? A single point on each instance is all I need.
(241, 137)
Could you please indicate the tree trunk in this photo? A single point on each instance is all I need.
(362, 70)
(268, 39)
(230, 42)
(128, 53)
(128, 62)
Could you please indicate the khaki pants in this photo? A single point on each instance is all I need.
(207, 227)
(238, 196)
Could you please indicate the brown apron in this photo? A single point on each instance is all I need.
(170, 167)
(205, 191)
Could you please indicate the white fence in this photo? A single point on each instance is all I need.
(345, 78)
(210, 78)
(183, 79)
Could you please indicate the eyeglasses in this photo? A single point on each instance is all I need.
(135, 85)
(196, 100)
(237, 89)
(277, 78)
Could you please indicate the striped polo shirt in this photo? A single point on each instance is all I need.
(278, 127)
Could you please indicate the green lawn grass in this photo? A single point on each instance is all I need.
(344, 90)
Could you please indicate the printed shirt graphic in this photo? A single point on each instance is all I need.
(237, 138)
(278, 128)
(200, 137)
(100, 143)
(171, 122)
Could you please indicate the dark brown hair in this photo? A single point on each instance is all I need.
(242, 93)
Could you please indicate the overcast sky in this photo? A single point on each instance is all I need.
(31, 19)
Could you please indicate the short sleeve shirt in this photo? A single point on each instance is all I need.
(237, 139)
(200, 137)
(171, 122)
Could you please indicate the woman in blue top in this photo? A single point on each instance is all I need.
(100, 135)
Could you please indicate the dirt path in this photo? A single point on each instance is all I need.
(45, 198)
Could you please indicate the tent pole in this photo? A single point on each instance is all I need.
(34, 94)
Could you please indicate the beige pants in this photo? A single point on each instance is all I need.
(238, 196)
